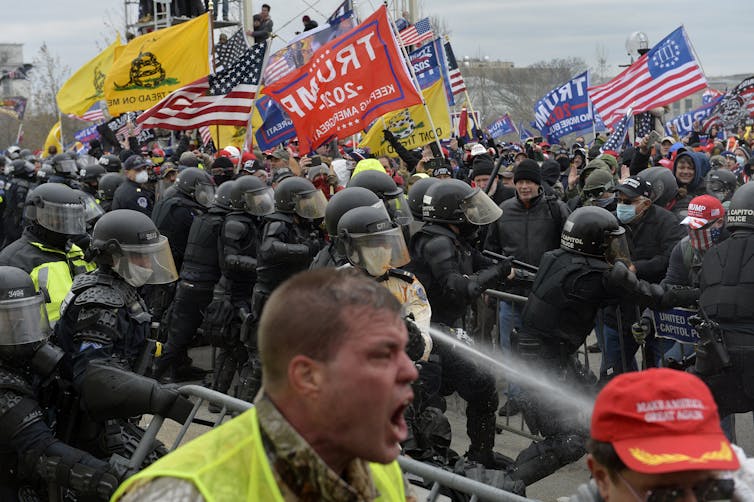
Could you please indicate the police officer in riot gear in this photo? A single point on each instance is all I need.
(198, 275)
(173, 216)
(333, 254)
(228, 320)
(104, 317)
(55, 214)
(111, 163)
(22, 175)
(65, 170)
(383, 185)
(727, 283)
(90, 176)
(108, 184)
(455, 274)
(33, 458)
(590, 270)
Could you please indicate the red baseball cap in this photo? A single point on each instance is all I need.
(662, 420)
(702, 210)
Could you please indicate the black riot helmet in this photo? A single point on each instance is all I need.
(91, 173)
(453, 201)
(92, 210)
(111, 163)
(344, 201)
(65, 165)
(721, 183)
(594, 231)
(24, 169)
(372, 241)
(663, 182)
(13, 152)
(416, 196)
(56, 207)
(23, 317)
(108, 184)
(383, 185)
(298, 195)
(224, 195)
(256, 197)
(740, 215)
(197, 184)
(26, 154)
(129, 242)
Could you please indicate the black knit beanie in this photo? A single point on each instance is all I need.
(528, 170)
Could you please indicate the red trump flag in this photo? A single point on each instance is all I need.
(348, 83)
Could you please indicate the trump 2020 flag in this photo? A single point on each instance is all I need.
(426, 65)
(276, 126)
(348, 83)
(665, 74)
(564, 109)
(502, 126)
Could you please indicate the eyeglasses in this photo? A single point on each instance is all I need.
(710, 490)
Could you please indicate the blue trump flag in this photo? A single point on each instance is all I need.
(276, 126)
(502, 126)
(684, 123)
(426, 65)
(564, 109)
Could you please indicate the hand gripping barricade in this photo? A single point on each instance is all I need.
(434, 476)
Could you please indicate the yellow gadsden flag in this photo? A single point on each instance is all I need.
(225, 135)
(86, 86)
(153, 65)
(53, 138)
(411, 125)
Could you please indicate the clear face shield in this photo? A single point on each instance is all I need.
(617, 247)
(480, 209)
(146, 263)
(204, 194)
(260, 202)
(24, 321)
(68, 166)
(92, 210)
(310, 205)
(378, 252)
(397, 208)
(68, 219)
(716, 188)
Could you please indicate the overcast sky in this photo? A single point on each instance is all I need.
(521, 31)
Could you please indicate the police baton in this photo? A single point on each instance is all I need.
(493, 175)
(519, 264)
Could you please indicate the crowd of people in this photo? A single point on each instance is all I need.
(127, 257)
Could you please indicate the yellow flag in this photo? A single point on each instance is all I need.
(224, 135)
(86, 86)
(155, 64)
(411, 125)
(53, 138)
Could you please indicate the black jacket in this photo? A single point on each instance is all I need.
(527, 233)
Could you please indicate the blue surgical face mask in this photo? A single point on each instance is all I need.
(625, 212)
(740, 160)
(604, 202)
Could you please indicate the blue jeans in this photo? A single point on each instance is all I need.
(509, 317)
(612, 360)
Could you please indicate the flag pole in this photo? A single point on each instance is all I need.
(254, 102)
(211, 12)
(18, 134)
(415, 80)
(62, 142)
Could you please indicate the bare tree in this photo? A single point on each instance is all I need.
(47, 76)
(516, 90)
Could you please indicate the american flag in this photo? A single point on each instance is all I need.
(417, 33)
(224, 98)
(281, 64)
(644, 124)
(618, 137)
(344, 11)
(230, 51)
(93, 114)
(206, 135)
(665, 74)
(457, 85)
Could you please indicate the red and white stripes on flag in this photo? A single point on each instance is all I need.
(457, 85)
(93, 114)
(417, 33)
(665, 74)
(205, 134)
(224, 98)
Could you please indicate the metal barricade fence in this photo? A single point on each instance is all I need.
(436, 477)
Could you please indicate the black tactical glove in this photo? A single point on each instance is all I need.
(620, 276)
(679, 297)
(415, 345)
(388, 135)
(642, 329)
(314, 245)
(217, 319)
